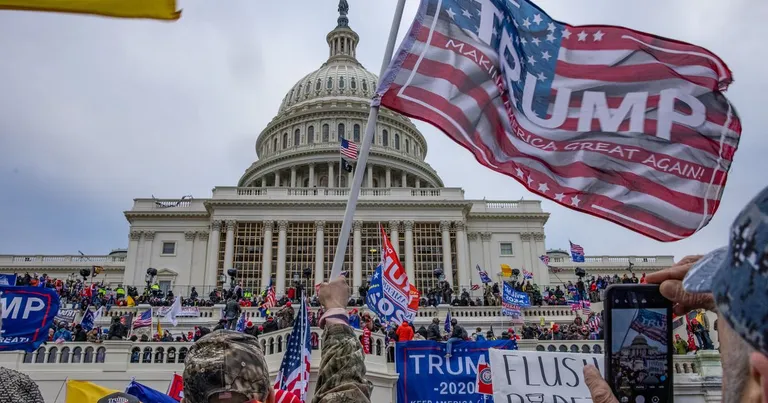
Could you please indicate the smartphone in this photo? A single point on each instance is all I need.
(638, 338)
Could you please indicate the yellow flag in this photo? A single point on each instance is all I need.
(129, 300)
(85, 392)
(159, 328)
(506, 271)
(152, 9)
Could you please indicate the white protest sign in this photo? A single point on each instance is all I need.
(541, 377)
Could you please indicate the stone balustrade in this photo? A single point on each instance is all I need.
(125, 354)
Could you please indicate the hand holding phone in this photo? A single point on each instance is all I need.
(638, 334)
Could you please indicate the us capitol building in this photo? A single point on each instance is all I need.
(284, 216)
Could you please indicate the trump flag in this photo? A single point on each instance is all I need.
(605, 120)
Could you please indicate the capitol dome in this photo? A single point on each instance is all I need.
(299, 148)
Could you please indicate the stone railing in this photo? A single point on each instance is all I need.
(470, 317)
(60, 260)
(126, 353)
(267, 193)
(590, 261)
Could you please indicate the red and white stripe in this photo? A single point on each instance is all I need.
(350, 152)
(271, 300)
(620, 176)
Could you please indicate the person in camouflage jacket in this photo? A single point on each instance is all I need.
(230, 366)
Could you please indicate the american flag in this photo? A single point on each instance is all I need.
(594, 323)
(144, 320)
(544, 259)
(271, 300)
(616, 123)
(577, 252)
(650, 324)
(348, 149)
(293, 375)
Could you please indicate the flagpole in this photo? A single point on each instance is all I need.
(365, 149)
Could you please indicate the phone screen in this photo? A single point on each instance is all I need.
(640, 355)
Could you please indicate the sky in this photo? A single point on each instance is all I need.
(95, 112)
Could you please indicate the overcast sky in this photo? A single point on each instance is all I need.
(95, 112)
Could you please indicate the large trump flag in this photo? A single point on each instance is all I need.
(152, 9)
(620, 124)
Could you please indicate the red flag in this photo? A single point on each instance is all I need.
(176, 389)
(484, 384)
(620, 124)
(415, 297)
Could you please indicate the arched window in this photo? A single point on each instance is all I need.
(296, 137)
(324, 182)
(341, 83)
(319, 85)
(28, 356)
(307, 88)
(171, 357)
(330, 83)
(326, 133)
(52, 355)
(310, 134)
(279, 344)
(407, 145)
(40, 357)
(182, 354)
(397, 141)
(101, 354)
(64, 355)
(365, 86)
(356, 133)
(88, 359)
(341, 131)
(285, 141)
(159, 355)
(274, 144)
(146, 356)
(385, 138)
(353, 83)
(77, 354)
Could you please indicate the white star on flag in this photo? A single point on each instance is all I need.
(575, 201)
(536, 40)
(520, 173)
(566, 34)
(545, 55)
(598, 36)
(551, 27)
(542, 77)
(559, 197)
(526, 23)
(543, 187)
(531, 60)
(537, 19)
(451, 14)
(582, 36)
(466, 13)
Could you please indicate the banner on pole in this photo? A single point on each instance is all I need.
(66, 315)
(28, 312)
(7, 279)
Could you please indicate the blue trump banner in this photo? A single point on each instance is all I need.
(512, 300)
(427, 375)
(7, 279)
(28, 312)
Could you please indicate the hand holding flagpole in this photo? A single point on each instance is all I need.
(365, 149)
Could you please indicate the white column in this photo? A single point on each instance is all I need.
(486, 239)
(525, 250)
(445, 228)
(197, 268)
(331, 175)
(388, 178)
(266, 254)
(462, 255)
(418, 183)
(293, 177)
(319, 249)
(394, 236)
(132, 274)
(229, 245)
(263, 181)
(281, 249)
(149, 238)
(403, 179)
(212, 267)
(369, 168)
(187, 260)
(541, 276)
(357, 257)
(311, 175)
(277, 179)
(350, 176)
(409, 263)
